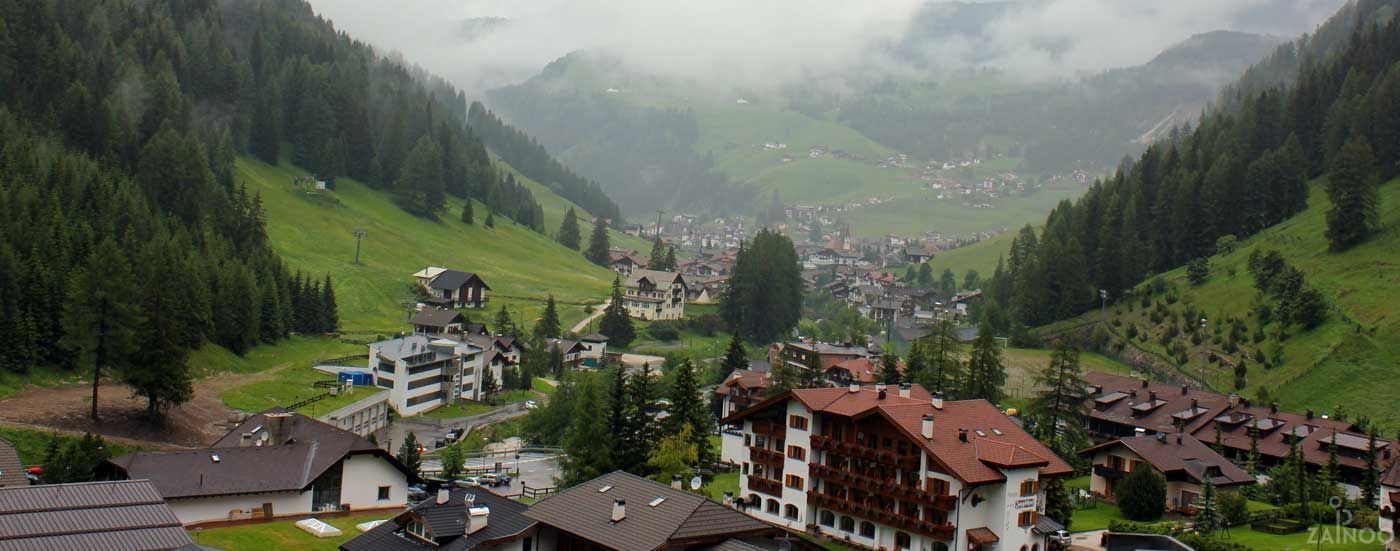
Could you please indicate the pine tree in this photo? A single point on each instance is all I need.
(101, 315)
(598, 243)
(688, 409)
(764, 301)
(640, 433)
(948, 282)
(489, 385)
(616, 414)
(548, 326)
(986, 369)
(330, 317)
(409, 456)
(420, 189)
(568, 230)
(616, 324)
(490, 219)
(670, 259)
(555, 361)
(1058, 504)
(916, 361)
(658, 256)
(588, 441)
(1332, 471)
(941, 371)
(925, 276)
(889, 369)
(1059, 408)
(467, 217)
(735, 357)
(452, 462)
(1251, 464)
(1355, 199)
(1208, 519)
(1370, 485)
(504, 325)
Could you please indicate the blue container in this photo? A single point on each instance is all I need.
(357, 379)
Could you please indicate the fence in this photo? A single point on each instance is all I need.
(535, 493)
(309, 401)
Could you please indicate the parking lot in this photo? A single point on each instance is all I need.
(537, 469)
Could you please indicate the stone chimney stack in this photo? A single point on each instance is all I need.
(619, 510)
(938, 400)
(477, 515)
(1234, 400)
(676, 481)
(904, 390)
(962, 435)
(855, 387)
(278, 427)
(926, 428)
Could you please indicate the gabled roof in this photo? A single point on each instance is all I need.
(429, 272)
(1181, 455)
(994, 441)
(454, 279)
(446, 522)
(311, 448)
(436, 317)
(657, 278)
(678, 518)
(745, 379)
(11, 468)
(112, 516)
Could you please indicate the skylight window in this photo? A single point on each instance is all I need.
(997, 432)
(605, 488)
(982, 434)
(657, 501)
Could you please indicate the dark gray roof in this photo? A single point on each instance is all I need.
(118, 516)
(594, 337)
(680, 518)
(506, 521)
(436, 317)
(11, 468)
(311, 447)
(454, 279)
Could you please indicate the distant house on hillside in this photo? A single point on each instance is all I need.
(437, 321)
(275, 464)
(625, 262)
(653, 295)
(453, 288)
(1185, 462)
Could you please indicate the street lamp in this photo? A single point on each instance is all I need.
(359, 234)
(1204, 348)
(1103, 305)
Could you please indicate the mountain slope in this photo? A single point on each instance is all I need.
(314, 233)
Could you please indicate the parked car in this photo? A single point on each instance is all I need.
(494, 479)
(531, 404)
(417, 493)
(468, 481)
(1059, 539)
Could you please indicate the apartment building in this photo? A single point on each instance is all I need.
(425, 372)
(653, 295)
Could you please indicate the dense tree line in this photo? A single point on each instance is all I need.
(531, 159)
(764, 300)
(1241, 170)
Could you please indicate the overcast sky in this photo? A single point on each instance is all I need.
(760, 43)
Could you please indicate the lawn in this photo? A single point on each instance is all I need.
(291, 385)
(464, 408)
(1330, 538)
(314, 233)
(544, 386)
(1023, 364)
(32, 444)
(11, 383)
(212, 360)
(282, 536)
(726, 482)
(1095, 518)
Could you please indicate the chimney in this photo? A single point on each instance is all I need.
(1139, 431)
(904, 390)
(855, 387)
(926, 428)
(879, 386)
(728, 499)
(619, 510)
(1133, 393)
(1162, 437)
(1195, 403)
(477, 515)
(676, 481)
(1178, 439)
(1184, 390)
(1273, 408)
(1310, 414)
(444, 495)
(881, 395)
(245, 440)
(962, 435)
(938, 400)
(1152, 396)
(1144, 383)
(1234, 400)
(278, 427)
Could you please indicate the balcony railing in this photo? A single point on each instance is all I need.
(937, 531)
(1109, 472)
(769, 429)
(770, 487)
(764, 455)
(851, 449)
(887, 487)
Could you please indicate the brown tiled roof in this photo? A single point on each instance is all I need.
(1280, 426)
(993, 439)
(11, 468)
(1121, 400)
(680, 518)
(117, 516)
(1179, 454)
(658, 278)
(745, 379)
(1391, 477)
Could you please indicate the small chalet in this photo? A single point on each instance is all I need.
(1185, 462)
(625, 262)
(438, 321)
(457, 519)
(452, 288)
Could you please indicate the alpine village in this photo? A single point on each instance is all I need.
(794, 275)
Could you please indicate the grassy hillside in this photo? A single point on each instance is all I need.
(314, 233)
(1349, 360)
(555, 207)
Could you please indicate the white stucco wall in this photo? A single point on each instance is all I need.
(361, 478)
(203, 509)
(731, 445)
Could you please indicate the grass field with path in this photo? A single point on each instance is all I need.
(282, 535)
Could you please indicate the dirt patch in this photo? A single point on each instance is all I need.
(197, 423)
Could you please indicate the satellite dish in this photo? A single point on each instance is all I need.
(695, 483)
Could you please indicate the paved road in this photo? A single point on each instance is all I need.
(536, 469)
(428, 431)
(1087, 541)
(597, 312)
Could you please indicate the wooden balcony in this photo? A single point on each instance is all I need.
(764, 455)
(763, 485)
(1109, 472)
(769, 429)
(907, 462)
(879, 486)
(883, 516)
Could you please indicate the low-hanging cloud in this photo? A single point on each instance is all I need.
(769, 43)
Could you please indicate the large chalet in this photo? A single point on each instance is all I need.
(895, 468)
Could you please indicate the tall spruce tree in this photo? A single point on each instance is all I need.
(568, 230)
(1059, 407)
(941, 372)
(548, 326)
(640, 434)
(735, 357)
(330, 316)
(504, 325)
(889, 369)
(688, 409)
(616, 323)
(101, 315)
(1355, 199)
(764, 300)
(468, 217)
(598, 246)
(1370, 486)
(420, 188)
(409, 456)
(589, 442)
(986, 368)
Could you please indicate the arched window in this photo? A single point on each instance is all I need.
(790, 511)
(940, 546)
(827, 518)
(867, 529)
(771, 507)
(1035, 547)
(1024, 548)
(848, 524)
(754, 500)
(902, 541)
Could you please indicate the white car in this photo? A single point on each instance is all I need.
(531, 404)
(1059, 539)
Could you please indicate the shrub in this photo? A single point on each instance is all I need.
(663, 331)
(1198, 270)
(1142, 495)
(1234, 508)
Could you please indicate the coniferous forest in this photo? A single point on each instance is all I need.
(1243, 169)
(126, 239)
